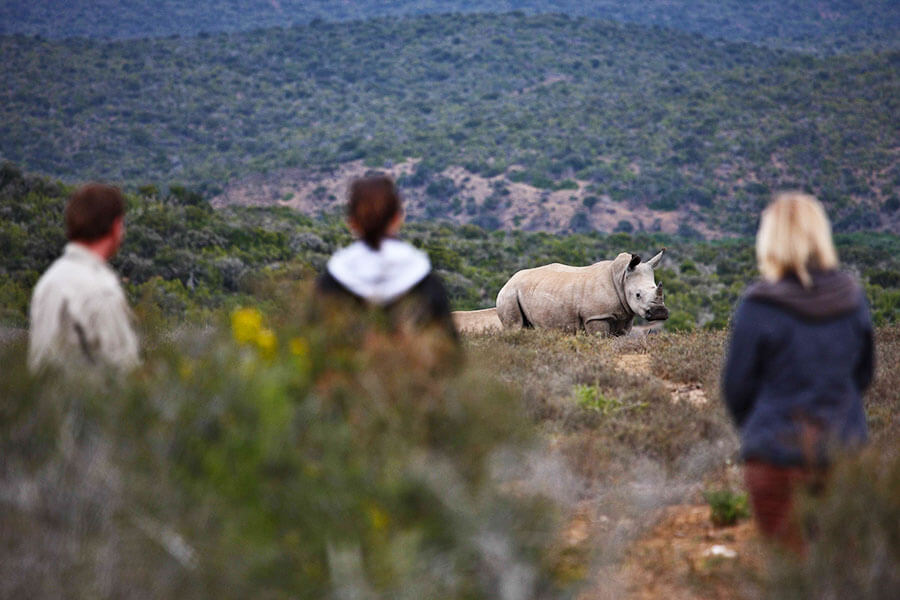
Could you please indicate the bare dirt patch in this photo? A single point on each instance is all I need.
(512, 204)
(685, 556)
(635, 364)
(310, 192)
(641, 365)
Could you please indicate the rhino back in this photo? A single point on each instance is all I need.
(558, 295)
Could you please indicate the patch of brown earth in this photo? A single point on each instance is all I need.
(310, 192)
(685, 556)
(692, 393)
(640, 364)
(635, 364)
(681, 557)
(548, 81)
(517, 205)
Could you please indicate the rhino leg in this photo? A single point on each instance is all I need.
(611, 327)
(509, 310)
(598, 327)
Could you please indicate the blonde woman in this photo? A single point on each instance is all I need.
(799, 360)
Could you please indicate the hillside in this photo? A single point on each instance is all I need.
(628, 119)
(183, 258)
(823, 26)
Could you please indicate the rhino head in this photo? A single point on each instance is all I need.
(642, 293)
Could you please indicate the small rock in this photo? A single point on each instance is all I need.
(721, 551)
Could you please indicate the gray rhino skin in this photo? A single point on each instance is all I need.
(601, 298)
(476, 321)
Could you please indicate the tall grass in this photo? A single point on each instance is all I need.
(626, 463)
(285, 452)
(278, 456)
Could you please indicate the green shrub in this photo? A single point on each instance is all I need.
(726, 507)
(680, 320)
(591, 397)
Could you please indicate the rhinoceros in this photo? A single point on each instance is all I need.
(477, 321)
(601, 298)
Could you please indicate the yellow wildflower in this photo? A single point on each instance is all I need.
(246, 325)
(377, 517)
(299, 347)
(267, 343)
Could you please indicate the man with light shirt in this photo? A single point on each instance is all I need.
(79, 315)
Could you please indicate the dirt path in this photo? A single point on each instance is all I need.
(640, 364)
(683, 556)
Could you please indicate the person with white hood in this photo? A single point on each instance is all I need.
(379, 270)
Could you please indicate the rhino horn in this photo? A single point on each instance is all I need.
(635, 261)
(654, 262)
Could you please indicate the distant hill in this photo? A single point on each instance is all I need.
(815, 26)
(618, 115)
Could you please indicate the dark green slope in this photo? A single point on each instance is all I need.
(819, 26)
(649, 117)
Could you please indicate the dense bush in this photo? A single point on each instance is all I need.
(277, 457)
(847, 27)
(192, 259)
(665, 119)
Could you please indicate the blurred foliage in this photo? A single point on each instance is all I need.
(281, 455)
(352, 455)
(856, 548)
(590, 397)
(181, 257)
(824, 26)
(650, 117)
(726, 507)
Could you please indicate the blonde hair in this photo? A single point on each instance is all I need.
(794, 237)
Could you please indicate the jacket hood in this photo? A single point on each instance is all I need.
(379, 276)
(832, 294)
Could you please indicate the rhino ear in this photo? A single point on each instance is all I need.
(654, 262)
(635, 261)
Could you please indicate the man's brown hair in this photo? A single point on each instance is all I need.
(374, 202)
(92, 210)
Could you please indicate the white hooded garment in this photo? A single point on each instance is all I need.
(79, 315)
(379, 276)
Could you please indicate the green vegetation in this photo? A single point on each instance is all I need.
(831, 25)
(276, 458)
(726, 507)
(281, 455)
(184, 258)
(648, 117)
(268, 449)
(590, 397)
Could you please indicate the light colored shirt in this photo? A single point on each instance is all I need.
(79, 316)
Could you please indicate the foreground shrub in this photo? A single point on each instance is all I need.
(856, 545)
(280, 457)
(726, 507)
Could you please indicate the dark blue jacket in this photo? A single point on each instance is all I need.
(798, 362)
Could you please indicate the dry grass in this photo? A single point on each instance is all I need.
(629, 466)
(651, 451)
